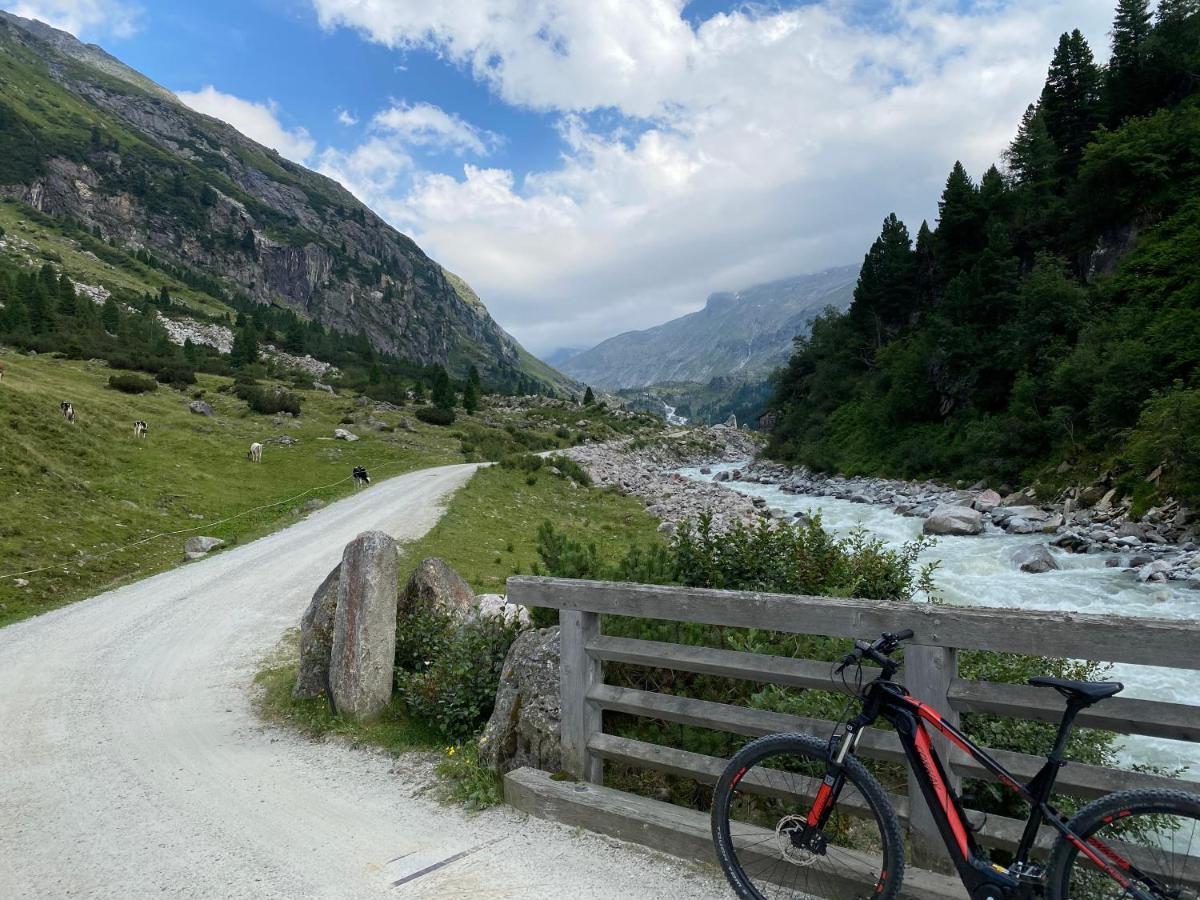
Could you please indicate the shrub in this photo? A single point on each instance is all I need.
(274, 401)
(570, 469)
(132, 384)
(447, 671)
(465, 780)
(434, 415)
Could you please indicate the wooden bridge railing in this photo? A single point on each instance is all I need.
(930, 672)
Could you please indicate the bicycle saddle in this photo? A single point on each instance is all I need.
(1085, 692)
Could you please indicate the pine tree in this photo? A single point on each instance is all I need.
(442, 393)
(1175, 11)
(1071, 99)
(885, 294)
(164, 298)
(110, 316)
(925, 274)
(249, 246)
(472, 390)
(588, 397)
(295, 339)
(66, 296)
(1032, 156)
(245, 346)
(960, 223)
(1126, 73)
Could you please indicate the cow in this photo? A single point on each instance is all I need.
(140, 428)
(254, 454)
(361, 478)
(68, 411)
(1, 371)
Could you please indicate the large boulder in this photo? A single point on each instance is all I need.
(494, 606)
(201, 545)
(364, 627)
(342, 434)
(200, 408)
(947, 519)
(1034, 559)
(434, 585)
(524, 727)
(316, 639)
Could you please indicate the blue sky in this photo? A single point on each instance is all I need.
(595, 167)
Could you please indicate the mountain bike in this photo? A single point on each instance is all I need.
(797, 816)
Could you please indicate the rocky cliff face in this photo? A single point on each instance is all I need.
(89, 139)
(743, 334)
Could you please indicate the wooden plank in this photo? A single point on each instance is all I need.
(801, 673)
(578, 674)
(998, 831)
(662, 826)
(928, 672)
(1077, 779)
(1157, 718)
(1144, 641)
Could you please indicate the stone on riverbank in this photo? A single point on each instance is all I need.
(953, 520)
(1034, 559)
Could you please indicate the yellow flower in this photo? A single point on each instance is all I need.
(449, 751)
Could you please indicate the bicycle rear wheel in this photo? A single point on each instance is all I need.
(759, 825)
(1157, 833)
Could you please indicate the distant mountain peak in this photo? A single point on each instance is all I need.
(745, 333)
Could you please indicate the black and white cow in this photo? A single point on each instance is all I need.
(140, 428)
(361, 478)
(68, 411)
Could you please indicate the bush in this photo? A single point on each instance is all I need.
(132, 384)
(264, 400)
(447, 672)
(433, 415)
(464, 779)
(570, 469)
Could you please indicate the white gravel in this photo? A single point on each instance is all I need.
(132, 764)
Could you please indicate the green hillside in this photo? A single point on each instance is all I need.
(132, 180)
(1048, 328)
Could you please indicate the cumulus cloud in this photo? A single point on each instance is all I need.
(426, 125)
(346, 117)
(374, 171)
(83, 17)
(759, 143)
(259, 121)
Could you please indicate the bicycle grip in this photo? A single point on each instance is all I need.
(904, 635)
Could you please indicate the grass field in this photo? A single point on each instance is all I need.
(70, 496)
(489, 530)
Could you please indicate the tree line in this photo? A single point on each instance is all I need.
(1050, 321)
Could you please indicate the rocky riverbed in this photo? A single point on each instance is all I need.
(648, 471)
(1157, 547)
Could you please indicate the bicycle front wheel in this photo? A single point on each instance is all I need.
(763, 841)
(1152, 839)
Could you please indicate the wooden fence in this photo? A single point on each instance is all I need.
(930, 672)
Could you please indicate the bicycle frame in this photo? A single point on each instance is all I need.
(983, 880)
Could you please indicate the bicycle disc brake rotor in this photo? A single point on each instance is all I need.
(798, 856)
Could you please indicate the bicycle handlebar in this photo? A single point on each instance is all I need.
(879, 652)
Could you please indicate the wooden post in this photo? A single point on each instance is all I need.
(928, 672)
(578, 673)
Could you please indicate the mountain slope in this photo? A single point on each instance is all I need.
(85, 138)
(745, 334)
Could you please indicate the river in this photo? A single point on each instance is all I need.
(977, 571)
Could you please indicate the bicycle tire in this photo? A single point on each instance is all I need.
(1123, 822)
(758, 869)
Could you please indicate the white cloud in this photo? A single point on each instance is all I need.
(346, 117)
(762, 143)
(373, 172)
(426, 125)
(259, 121)
(83, 17)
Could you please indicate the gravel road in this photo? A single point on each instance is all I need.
(132, 764)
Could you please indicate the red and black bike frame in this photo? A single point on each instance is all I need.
(886, 699)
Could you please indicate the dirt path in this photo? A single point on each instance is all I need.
(132, 765)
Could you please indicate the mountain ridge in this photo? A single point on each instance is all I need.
(745, 333)
(85, 137)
